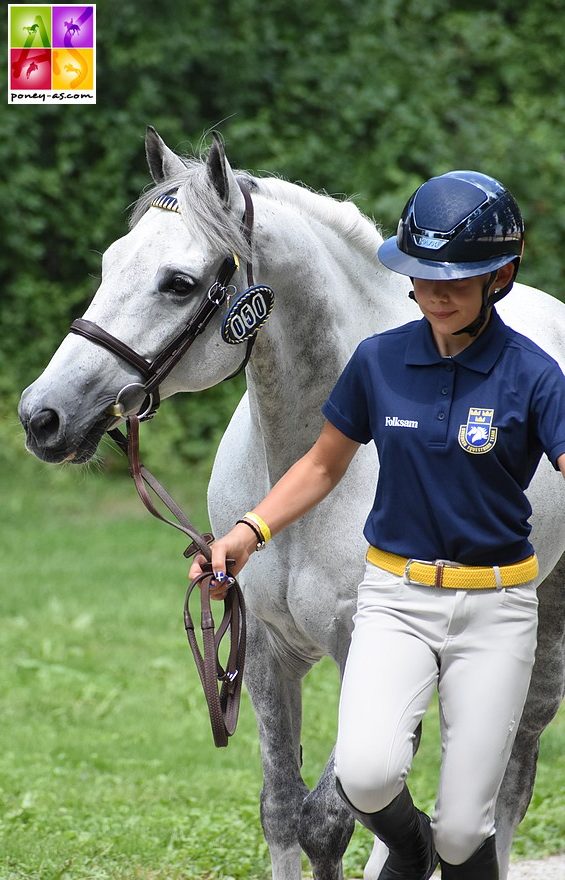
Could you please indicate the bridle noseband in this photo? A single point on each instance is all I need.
(156, 371)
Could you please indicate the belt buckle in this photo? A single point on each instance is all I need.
(407, 578)
(438, 564)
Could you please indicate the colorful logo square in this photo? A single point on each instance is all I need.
(30, 27)
(73, 69)
(30, 69)
(51, 53)
(73, 27)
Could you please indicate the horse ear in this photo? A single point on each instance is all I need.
(162, 161)
(221, 174)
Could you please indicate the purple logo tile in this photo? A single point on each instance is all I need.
(73, 27)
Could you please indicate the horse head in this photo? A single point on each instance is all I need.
(153, 281)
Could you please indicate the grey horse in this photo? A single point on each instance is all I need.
(318, 254)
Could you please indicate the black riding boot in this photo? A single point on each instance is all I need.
(407, 834)
(483, 864)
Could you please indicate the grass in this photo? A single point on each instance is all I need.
(107, 767)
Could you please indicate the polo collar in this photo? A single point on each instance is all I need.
(480, 356)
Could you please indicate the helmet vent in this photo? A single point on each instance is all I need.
(442, 204)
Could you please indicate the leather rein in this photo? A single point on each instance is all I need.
(223, 703)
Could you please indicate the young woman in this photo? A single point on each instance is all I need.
(461, 409)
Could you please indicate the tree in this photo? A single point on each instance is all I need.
(352, 97)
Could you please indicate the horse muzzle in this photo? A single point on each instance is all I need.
(50, 436)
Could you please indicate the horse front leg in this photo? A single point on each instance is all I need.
(542, 703)
(325, 828)
(275, 692)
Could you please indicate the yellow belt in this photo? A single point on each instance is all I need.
(453, 576)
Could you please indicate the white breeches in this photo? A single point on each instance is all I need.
(477, 648)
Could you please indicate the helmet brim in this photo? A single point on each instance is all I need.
(393, 258)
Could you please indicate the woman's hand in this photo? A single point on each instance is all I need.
(298, 491)
(238, 545)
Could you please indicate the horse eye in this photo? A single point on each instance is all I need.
(181, 285)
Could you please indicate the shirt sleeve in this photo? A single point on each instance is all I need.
(548, 407)
(347, 405)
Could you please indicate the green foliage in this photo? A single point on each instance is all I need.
(107, 766)
(360, 98)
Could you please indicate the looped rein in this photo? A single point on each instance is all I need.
(223, 704)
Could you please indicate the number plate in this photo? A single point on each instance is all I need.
(247, 313)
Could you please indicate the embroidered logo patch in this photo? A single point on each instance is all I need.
(478, 435)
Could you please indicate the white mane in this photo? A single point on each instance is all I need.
(203, 210)
(342, 216)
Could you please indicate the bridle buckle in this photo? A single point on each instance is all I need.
(217, 293)
(118, 409)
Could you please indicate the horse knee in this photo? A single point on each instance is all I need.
(280, 807)
(325, 827)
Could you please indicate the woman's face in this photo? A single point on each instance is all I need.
(450, 305)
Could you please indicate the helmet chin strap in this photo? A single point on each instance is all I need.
(475, 326)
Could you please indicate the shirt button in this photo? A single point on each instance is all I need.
(444, 391)
(449, 368)
(441, 416)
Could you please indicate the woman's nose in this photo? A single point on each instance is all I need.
(438, 292)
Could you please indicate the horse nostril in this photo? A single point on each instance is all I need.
(44, 425)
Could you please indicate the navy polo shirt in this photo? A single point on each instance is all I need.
(458, 439)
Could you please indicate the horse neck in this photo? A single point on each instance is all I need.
(329, 294)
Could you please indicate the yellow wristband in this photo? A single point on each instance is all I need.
(261, 525)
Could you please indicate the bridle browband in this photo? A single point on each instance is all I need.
(223, 704)
(156, 371)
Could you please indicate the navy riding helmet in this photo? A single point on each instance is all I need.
(458, 225)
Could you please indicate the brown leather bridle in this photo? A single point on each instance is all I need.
(223, 705)
(155, 371)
